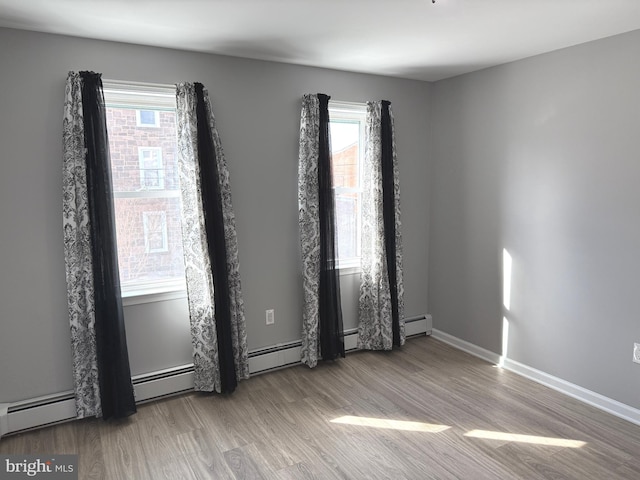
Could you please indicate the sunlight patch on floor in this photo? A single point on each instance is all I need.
(436, 428)
(514, 437)
(390, 424)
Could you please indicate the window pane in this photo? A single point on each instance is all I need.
(346, 153)
(151, 168)
(347, 220)
(137, 151)
(150, 178)
(155, 231)
(345, 140)
(147, 117)
(149, 243)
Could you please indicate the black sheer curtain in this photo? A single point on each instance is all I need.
(330, 319)
(114, 374)
(389, 215)
(216, 243)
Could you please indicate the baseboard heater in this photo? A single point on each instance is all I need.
(50, 409)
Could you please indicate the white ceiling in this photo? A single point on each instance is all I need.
(404, 38)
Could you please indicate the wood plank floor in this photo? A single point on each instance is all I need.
(410, 414)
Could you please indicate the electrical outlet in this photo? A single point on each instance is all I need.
(270, 314)
(636, 352)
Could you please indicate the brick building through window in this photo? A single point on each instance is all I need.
(345, 163)
(142, 145)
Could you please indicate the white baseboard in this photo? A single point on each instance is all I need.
(466, 346)
(162, 383)
(594, 399)
(422, 325)
(589, 397)
(4, 424)
(37, 412)
(275, 357)
(55, 408)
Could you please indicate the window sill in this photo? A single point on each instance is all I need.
(153, 293)
(350, 270)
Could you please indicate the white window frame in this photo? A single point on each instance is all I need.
(146, 219)
(144, 169)
(156, 118)
(157, 97)
(350, 112)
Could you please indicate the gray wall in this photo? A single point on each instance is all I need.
(541, 157)
(257, 105)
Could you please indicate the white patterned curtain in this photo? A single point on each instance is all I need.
(381, 302)
(216, 307)
(101, 373)
(77, 245)
(322, 332)
(309, 221)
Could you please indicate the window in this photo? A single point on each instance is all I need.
(151, 169)
(147, 202)
(155, 231)
(347, 123)
(147, 118)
